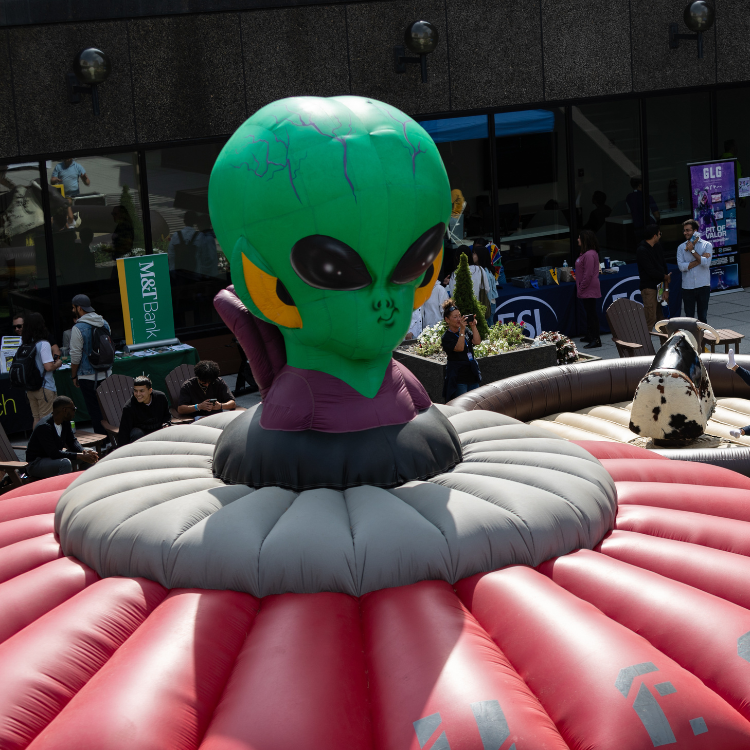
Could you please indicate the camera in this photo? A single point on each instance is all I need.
(470, 318)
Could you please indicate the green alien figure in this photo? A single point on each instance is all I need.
(332, 213)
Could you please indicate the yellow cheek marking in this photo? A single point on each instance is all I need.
(262, 288)
(422, 293)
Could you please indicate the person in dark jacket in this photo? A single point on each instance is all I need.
(53, 447)
(462, 370)
(652, 269)
(146, 412)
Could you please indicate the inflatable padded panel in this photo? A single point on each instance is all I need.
(155, 509)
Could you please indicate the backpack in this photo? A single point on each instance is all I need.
(24, 372)
(102, 355)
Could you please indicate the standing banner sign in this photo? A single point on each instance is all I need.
(713, 193)
(146, 295)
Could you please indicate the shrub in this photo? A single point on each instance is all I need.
(463, 296)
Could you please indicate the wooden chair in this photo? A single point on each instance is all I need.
(113, 394)
(174, 381)
(627, 322)
(9, 462)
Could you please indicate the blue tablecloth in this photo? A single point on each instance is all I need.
(556, 307)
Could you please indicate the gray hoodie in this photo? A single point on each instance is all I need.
(76, 344)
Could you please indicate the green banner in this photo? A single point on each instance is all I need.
(146, 295)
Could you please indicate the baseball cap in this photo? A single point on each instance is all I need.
(82, 301)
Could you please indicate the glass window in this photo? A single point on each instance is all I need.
(24, 282)
(679, 132)
(607, 152)
(533, 211)
(181, 226)
(733, 114)
(464, 147)
(96, 219)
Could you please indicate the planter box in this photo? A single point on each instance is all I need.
(432, 374)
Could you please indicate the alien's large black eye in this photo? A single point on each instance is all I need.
(327, 263)
(420, 256)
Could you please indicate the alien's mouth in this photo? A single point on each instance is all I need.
(390, 320)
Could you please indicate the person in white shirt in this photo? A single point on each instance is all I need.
(694, 260)
(432, 310)
(415, 328)
(40, 401)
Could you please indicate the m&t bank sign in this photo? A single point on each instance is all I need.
(146, 297)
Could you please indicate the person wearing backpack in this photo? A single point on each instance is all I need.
(33, 365)
(92, 354)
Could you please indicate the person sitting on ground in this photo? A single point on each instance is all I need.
(206, 393)
(146, 412)
(53, 447)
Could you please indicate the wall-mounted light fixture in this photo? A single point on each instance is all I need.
(421, 37)
(699, 18)
(90, 68)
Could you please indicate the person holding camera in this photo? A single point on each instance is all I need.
(206, 393)
(462, 371)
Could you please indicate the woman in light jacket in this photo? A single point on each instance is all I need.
(587, 285)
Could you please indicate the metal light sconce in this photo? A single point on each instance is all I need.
(421, 37)
(90, 68)
(699, 17)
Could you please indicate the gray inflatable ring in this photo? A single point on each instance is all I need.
(155, 509)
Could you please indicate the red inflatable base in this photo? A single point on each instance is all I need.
(641, 643)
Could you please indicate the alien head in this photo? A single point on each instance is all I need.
(332, 213)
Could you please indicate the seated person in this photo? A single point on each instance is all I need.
(206, 393)
(146, 412)
(53, 447)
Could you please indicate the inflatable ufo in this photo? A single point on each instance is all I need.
(348, 565)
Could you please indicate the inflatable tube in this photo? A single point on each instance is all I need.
(723, 574)
(49, 661)
(27, 597)
(725, 502)
(601, 684)
(27, 555)
(25, 528)
(697, 528)
(429, 658)
(189, 643)
(703, 633)
(299, 680)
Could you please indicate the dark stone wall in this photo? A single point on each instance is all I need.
(191, 75)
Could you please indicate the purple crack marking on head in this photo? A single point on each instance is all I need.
(261, 170)
(333, 135)
(414, 151)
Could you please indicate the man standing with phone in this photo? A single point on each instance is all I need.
(694, 261)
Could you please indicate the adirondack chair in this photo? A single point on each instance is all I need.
(113, 394)
(627, 321)
(174, 381)
(9, 462)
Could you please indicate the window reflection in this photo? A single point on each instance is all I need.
(679, 132)
(96, 219)
(23, 257)
(606, 144)
(178, 190)
(462, 143)
(533, 209)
